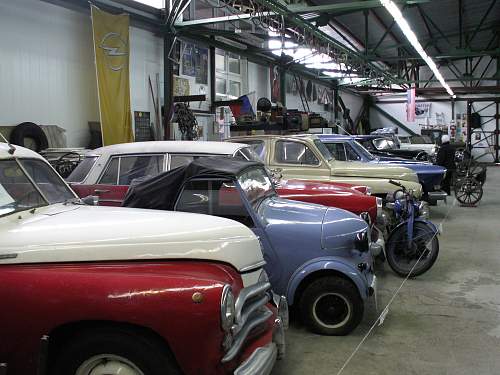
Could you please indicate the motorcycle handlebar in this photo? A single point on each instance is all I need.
(395, 183)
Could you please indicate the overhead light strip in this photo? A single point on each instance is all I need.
(412, 38)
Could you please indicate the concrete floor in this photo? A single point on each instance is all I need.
(445, 322)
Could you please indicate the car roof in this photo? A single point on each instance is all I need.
(269, 136)
(202, 147)
(331, 137)
(20, 152)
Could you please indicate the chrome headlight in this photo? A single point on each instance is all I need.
(366, 217)
(227, 308)
(362, 241)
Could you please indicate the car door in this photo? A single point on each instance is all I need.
(121, 171)
(296, 159)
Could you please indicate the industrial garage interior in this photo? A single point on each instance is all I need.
(249, 187)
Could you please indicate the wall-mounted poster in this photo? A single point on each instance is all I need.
(275, 84)
(422, 109)
(189, 60)
(181, 86)
(201, 65)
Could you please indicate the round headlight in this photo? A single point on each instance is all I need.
(227, 308)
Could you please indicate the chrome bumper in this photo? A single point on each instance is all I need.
(437, 196)
(261, 362)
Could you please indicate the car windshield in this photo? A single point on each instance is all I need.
(82, 170)
(247, 153)
(323, 149)
(256, 185)
(19, 193)
(363, 151)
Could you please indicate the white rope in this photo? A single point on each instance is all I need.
(385, 311)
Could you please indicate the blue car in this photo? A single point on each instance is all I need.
(344, 147)
(318, 257)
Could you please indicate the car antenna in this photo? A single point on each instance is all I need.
(12, 149)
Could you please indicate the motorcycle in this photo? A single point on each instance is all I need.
(412, 246)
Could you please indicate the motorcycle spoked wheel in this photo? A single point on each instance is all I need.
(468, 191)
(402, 259)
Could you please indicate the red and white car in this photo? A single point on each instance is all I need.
(107, 172)
(91, 290)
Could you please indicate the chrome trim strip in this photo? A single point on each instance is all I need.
(240, 339)
(253, 267)
(261, 362)
(8, 256)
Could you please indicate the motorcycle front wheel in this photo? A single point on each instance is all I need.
(424, 246)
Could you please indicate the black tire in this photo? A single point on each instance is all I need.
(146, 353)
(29, 130)
(331, 306)
(396, 246)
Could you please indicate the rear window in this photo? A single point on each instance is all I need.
(82, 170)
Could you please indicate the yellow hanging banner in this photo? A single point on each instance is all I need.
(111, 48)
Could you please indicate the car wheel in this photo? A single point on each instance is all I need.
(331, 306)
(114, 352)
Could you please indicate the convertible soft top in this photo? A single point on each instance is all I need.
(160, 192)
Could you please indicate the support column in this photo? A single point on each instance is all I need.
(211, 53)
(168, 40)
(283, 86)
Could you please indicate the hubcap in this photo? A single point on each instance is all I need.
(108, 364)
(332, 310)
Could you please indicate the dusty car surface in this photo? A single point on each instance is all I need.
(108, 171)
(319, 257)
(306, 157)
(101, 290)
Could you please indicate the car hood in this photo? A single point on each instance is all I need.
(311, 224)
(419, 168)
(78, 233)
(358, 169)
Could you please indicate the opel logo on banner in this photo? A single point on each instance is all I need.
(115, 51)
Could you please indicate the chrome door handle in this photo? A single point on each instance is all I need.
(100, 191)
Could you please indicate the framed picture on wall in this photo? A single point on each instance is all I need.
(189, 60)
(201, 65)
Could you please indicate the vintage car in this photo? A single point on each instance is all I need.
(346, 148)
(318, 257)
(418, 142)
(108, 171)
(383, 146)
(306, 157)
(103, 290)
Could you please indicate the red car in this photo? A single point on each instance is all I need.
(108, 171)
(98, 290)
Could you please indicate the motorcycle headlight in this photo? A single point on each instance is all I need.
(227, 308)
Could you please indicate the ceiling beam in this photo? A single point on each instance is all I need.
(348, 6)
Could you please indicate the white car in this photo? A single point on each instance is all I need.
(418, 142)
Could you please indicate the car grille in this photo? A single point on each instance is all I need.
(251, 311)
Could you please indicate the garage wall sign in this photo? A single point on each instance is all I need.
(112, 58)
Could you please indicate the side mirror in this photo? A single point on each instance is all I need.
(91, 200)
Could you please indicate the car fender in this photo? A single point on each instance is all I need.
(326, 263)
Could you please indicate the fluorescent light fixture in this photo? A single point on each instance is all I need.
(412, 38)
